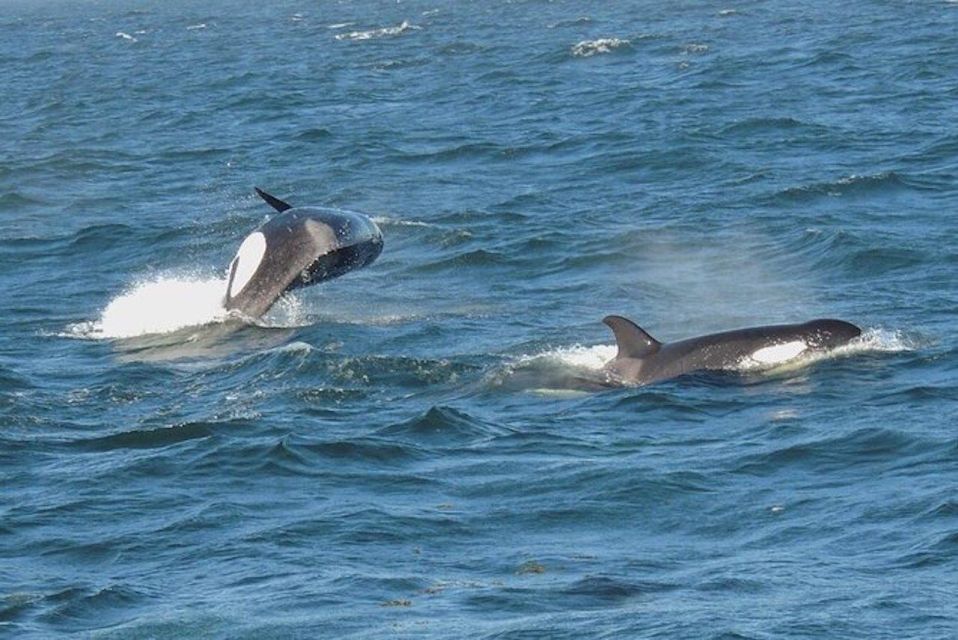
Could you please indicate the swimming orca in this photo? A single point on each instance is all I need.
(643, 359)
(299, 247)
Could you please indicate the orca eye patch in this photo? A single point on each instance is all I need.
(246, 262)
(779, 353)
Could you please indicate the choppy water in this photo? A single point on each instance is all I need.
(427, 448)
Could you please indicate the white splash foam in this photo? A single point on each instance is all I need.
(554, 372)
(378, 33)
(578, 356)
(876, 339)
(289, 312)
(163, 305)
(125, 36)
(588, 48)
(195, 27)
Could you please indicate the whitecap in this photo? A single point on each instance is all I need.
(125, 36)
(588, 48)
(784, 414)
(297, 346)
(560, 394)
(378, 33)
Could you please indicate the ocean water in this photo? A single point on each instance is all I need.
(429, 447)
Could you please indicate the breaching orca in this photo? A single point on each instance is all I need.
(299, 247)
(642, 359)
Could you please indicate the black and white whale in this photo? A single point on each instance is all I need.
(642, 359)
(299, 247)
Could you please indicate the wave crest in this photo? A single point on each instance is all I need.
(589, 48)
(378, 33)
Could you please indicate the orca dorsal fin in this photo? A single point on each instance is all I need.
(632, 340)
(273, 201)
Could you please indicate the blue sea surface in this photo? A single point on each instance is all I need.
(429, 447)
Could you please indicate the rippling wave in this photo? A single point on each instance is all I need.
(431, 447)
